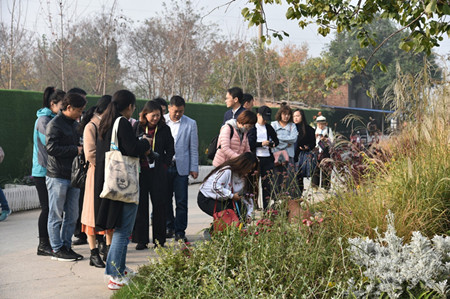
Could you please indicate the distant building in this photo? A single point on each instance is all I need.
(349, 95)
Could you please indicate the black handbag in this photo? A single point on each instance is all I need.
(79, 171)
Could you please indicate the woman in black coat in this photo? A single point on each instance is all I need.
(153, 176)
(306, 141)
(110, 214)
(262, 138)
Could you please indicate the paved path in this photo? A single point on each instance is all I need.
(27, 275)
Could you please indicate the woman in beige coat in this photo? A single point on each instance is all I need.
(90, 124)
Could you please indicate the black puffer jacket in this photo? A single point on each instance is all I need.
(61, 142)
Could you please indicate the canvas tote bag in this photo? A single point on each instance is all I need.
(121, 173)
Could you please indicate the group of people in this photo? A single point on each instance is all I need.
(165, 140)
(251, 146)
(167, 147)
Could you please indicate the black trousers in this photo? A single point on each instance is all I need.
(42, 191)
(266, 165)
(284, 178)
(300, 183)
(153, 182)
(207, 204)
(315, 177)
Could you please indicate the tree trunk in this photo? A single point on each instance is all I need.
(11, 48)
(62, 49)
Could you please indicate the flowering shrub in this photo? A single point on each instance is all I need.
(394, 268)
(353, 163)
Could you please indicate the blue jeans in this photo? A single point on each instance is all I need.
(178, 184)
(63, 201)
(3, 201)
(117, 255)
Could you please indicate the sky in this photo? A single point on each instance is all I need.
(227, 17)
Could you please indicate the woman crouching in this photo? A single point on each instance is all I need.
(226, 184)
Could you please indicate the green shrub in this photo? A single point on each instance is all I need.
(281, 261)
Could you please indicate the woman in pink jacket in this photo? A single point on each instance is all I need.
(229, 148)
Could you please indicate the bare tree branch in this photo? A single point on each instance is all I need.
(219, 7)
(391, 35)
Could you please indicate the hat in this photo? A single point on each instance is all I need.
(265, 112)
(321, 119)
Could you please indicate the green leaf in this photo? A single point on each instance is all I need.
(431, 7)
(363, 62)
(348, 60)
(381, 66)
(290, 13)
(245, 12)
(302, 24)
(405, 46)
(372, 42)
(328, 82)
(446, 9)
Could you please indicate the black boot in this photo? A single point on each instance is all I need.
(95, 259)
(105, 254)
(102, 247)
(44, 247)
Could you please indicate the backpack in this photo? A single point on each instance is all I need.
(212, 147)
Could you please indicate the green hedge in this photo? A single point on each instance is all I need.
(18, 115)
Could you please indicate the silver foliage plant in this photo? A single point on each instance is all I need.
(392, 267)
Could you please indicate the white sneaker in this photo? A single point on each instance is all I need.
(116, 283)
(128, 272)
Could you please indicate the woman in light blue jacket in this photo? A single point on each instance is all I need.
(52, 102)
(284, 152)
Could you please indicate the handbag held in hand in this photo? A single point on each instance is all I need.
(79, 171)
(281, 157)
(121, 173)
(224, 218)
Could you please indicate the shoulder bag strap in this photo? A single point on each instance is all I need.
(96, 131)
(114, 138)
(232, 131)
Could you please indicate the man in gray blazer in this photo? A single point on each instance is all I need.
(185, 163)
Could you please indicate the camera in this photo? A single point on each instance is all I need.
(153, 156)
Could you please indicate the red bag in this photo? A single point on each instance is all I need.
(223, 219)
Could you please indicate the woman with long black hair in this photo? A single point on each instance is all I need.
(110, 214)
(227, 184)
(89, 129)
(305, 143)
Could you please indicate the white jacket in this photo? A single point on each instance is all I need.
(222, 185)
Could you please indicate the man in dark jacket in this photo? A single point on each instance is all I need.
(62, 143)
(234, 100)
